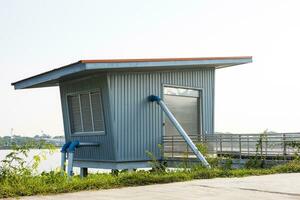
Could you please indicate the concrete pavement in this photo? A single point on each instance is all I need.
(279, 186)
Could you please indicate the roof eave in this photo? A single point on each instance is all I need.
(175, 63)
(51, 78)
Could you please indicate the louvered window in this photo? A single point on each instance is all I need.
(86, 112)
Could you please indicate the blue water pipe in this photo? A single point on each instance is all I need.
(154, 98)
(64, 156)
(65, 147)
(71, 151)
(68, 149)
(73, 146)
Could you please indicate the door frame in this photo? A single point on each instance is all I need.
(200, 109)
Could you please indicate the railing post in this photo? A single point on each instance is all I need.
(172, 146)
(284, 146)
(231, 143)
(266, 147)
(261, 149)
(216, 140)
(240, 146)
(221, 146)
(187, 151)
(248, 148)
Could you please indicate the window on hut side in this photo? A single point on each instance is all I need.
(86, 112)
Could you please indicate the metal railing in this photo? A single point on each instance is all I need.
(235, 145)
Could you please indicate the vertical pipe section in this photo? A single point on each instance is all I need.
(179, 129)
(70, 164)
(71, 151)
(63, 162)
(64, 156)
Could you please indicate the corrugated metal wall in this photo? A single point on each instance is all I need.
(134, 125)
(138, 123)
(106, 149)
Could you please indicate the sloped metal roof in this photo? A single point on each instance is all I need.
(86, 67)
(161, 59)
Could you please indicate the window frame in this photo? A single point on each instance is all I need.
(85, 133)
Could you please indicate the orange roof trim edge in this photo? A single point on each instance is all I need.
(163, 59)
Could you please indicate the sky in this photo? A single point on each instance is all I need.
(37, 36)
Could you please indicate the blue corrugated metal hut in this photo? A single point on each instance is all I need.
(105, 106)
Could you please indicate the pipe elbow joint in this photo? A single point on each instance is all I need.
(65, 147)
(154, 98)
(73, 146)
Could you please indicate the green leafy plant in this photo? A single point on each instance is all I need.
(296, 146)
(203, 148)
(14, 165)
(157, 165)
(213, 161)
(259, 159)
(53, 182)
(227, 163)
(21, 181)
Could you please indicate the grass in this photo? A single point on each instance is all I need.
(53, 182)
